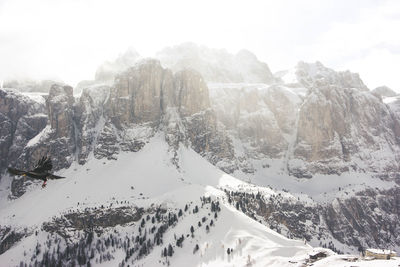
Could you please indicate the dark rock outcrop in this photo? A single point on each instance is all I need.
(368, 219)
(60, 110)
(57, 139)
(21, 119)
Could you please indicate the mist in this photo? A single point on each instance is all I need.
(68, 40)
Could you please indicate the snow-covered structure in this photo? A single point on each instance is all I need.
(383, 254)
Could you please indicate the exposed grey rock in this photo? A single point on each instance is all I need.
(107, 145)
(368, 219)
(208, 138)
(338, 125)
(57, 140)
(191, 93)
(21, 118)
(96, 220)
(137, 94)
(9, 237)
(322, 122)
(60, 109)
(91, 117)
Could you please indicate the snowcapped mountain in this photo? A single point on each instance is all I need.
(216, 65)
(316, 123)
(150, 159)
(136, 186)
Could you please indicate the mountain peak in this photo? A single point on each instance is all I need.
(316, 75)
(384, 91)
(216, 65)
(109, 69)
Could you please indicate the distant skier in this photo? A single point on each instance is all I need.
(41, 171)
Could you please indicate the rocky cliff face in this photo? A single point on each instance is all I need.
(58, 139)
(136, 96)
(261, 117)
(107, 120)
(342, 126)
(144, 93)
(21, 119)
(368, 219)
(318, 121)
(60, 110)
(347, 132)
(178, 103)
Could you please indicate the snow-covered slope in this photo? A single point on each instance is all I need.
(145, 179)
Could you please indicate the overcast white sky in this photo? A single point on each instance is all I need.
(69, 39)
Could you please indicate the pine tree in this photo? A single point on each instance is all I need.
(170, 250)
(196, 248)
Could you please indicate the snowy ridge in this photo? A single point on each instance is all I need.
(40, 136)
(114, 180)
(148, 179)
